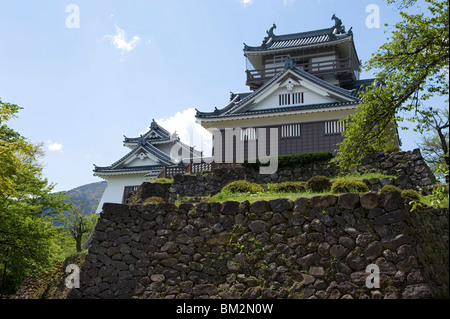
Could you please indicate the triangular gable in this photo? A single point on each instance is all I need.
(147, 152)
(293, 87)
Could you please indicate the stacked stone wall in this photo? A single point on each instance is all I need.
(307, 248)
(408, 169)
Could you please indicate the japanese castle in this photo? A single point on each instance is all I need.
(302, 86)
(149, 154)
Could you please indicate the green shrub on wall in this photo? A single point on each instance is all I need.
(349, 186)
(287, 187)
(242, 187)
(294, 160)
(390, 188)
(318, 183)
(411, 194)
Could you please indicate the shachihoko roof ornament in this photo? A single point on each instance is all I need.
(339, 27)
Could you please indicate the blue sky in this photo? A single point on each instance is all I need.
(83, 86)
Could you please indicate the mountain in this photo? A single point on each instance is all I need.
(89, 195)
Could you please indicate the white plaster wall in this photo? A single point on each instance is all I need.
(142, 162)
(116, 184)
(272, 101)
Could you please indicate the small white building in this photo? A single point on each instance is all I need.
(149, 154)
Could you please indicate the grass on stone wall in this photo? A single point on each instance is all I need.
(272, 192)
(227, 196)
(359, 177)
(164, 180)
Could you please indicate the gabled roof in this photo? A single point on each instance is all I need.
(119, 166)
(300, 39)
(237, 105)
(155, 134)
(130, 170)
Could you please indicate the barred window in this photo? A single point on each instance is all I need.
(291, 130)
(291, 98)
(334, 127)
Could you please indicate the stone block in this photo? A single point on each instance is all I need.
(349, 200)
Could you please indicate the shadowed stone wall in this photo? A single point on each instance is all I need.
(307, 248)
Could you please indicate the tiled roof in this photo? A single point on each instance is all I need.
(163, 135)
(109, 169)
(158, 153)
(298, 40)
(288, 109)
(118, 165)
(232, 108)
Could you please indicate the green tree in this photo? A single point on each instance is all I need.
(77, 224)
(412, 65)
(28, 240)
(435, 146)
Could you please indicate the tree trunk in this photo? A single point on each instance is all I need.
(78, 240)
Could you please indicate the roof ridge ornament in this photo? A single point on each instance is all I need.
(270, 31)
(154, 125)
(289, 64)
(269, 36)
(339, 28)
(141, 140)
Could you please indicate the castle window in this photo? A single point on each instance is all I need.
(280, 58)
(291, 99)
(291, 130)
(334, 127)
(248, 134)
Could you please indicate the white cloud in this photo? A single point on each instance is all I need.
(54, 147)
(190, 132)
(246, 2)
(120, 42)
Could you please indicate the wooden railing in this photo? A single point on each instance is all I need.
(317, 68)
(197, 168)
(191, 168)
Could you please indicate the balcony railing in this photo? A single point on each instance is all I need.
(255, 78)
(191, 168)
(194, 168)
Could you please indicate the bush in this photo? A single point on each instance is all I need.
(153, 200)
(288, 187)
(411, 194)
(294, 160)
(390, 188)
(243, 187)
(318, 183)
(349, 186)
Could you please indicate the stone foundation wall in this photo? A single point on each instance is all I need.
(408, 166)
(307, 248)
(147, 190)
(409, 169)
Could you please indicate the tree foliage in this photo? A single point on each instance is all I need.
(28, 240)
(77, 224)
(411, 66)
(435, 146)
